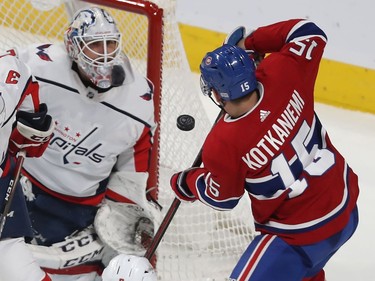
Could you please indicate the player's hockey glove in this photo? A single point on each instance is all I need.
(180, 187)
(234, 38)
(32, 132)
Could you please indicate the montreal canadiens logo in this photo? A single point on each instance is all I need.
(208, 60)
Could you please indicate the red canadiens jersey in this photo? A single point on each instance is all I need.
(279, 153)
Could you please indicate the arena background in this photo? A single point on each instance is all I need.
(347, 73)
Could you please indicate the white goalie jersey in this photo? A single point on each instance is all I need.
(98, 136)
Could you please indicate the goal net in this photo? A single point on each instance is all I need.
(200, 243)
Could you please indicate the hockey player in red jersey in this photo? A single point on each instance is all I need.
(24, 125)
(271, 146)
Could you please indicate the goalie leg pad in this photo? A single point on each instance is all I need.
(17, 263)
(78, 249)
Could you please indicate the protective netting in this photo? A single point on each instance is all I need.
(201, 243)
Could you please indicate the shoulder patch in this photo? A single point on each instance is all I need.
(42, 52)
(146, 96)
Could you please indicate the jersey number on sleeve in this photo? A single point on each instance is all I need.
(310, 45)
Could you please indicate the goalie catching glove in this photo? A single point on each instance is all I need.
(237, 38)
(125, 228)
(32, 132)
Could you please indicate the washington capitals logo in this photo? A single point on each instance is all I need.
(42, 52)
(147, 96)
(74, 146)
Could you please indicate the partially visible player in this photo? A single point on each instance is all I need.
(129, 268)
(25, 125)
(271, 146)
(86, 195)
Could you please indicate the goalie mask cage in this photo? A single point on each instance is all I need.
(200, 243)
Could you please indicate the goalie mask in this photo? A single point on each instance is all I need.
(94, 43)
(129, 268)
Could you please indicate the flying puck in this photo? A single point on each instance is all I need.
(185, 122)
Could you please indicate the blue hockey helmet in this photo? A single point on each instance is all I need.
(229, 71)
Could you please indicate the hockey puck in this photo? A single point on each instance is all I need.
(185, 122)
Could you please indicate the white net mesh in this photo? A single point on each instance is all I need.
(201, 243)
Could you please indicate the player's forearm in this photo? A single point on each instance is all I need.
(270, 38)
(198, 183)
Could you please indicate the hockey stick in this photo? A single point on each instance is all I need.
(11, 190)
(173, 208)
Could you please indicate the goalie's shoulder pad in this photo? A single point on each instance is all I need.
(17, 263)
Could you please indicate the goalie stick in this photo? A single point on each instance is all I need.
(11, 190)
(172, 209)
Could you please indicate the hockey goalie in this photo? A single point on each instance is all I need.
(86, 195)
